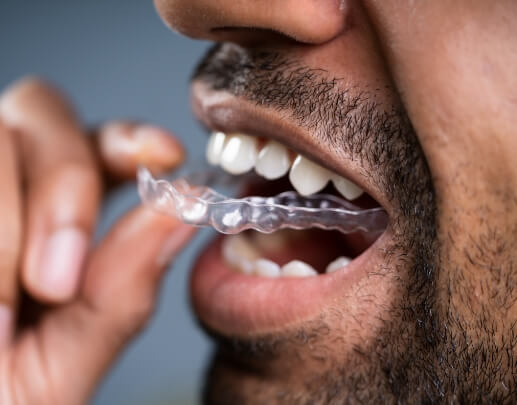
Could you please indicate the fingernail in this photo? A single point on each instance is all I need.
(157, 148)
(62, 261)
(6, 326)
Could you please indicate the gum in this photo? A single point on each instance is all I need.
(193, 200)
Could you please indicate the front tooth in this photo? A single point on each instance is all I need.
(273, 161)
(266, 268)
(339, 263)
(239, 154)
(297, 268)
(239, 253)
(307, 177)
(214, 148)
(347, 189)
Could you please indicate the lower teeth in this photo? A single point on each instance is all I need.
(338, 264)
(266, 268)
(242, 256)
(297, 268)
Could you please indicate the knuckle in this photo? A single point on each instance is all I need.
(74, 173)
(73, 179)
(67, 194)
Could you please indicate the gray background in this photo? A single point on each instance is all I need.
(115, 59)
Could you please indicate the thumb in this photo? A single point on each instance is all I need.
(118, 296)
(124, 272)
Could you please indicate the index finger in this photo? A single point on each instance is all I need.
(10, 237)
(63, 187)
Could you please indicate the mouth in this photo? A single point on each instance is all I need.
(251, 283)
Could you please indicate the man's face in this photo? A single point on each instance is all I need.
(414, 102)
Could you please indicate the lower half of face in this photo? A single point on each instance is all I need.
(305, 315)
(312, 316)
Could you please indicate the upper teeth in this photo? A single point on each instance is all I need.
(273, 161)
(308, 177)
(347, 188)
(239, 153)
(214, 149)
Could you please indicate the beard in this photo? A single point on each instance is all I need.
(426, 350)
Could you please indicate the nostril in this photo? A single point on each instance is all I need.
(251, 22)
(251, 36)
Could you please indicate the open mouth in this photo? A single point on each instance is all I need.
(286, 253)
(253, 282)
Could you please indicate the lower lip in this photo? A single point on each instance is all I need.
(232, 303)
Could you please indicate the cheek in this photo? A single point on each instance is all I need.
(456, 74)
(478, 236)
(464, 123)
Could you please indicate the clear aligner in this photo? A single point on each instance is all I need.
(193, 201)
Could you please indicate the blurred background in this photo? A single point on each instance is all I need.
(116, 59)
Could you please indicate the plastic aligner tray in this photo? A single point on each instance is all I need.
(192, 199)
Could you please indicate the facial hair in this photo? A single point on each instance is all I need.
(421, 352)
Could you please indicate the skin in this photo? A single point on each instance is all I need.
(58, 335)
(441, 324)
(437, 326)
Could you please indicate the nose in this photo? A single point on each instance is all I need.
(308, 21)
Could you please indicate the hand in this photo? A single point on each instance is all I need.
(67, 308)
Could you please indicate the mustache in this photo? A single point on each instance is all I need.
(382, 138)
(271, 79)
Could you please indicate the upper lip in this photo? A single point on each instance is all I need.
(222, 111)
(268, 305)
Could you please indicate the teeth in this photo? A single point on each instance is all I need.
(297, 268)
(277, 241)
(339, 263)
(239, 253)
(266, 268)
(214, 148)
(347, 189)
(239, 154)
(273, 161)
(308, 177)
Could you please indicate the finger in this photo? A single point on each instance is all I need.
(10, 237)
(123, 146)
(116, 299)
(119, 285)
(63, 188)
